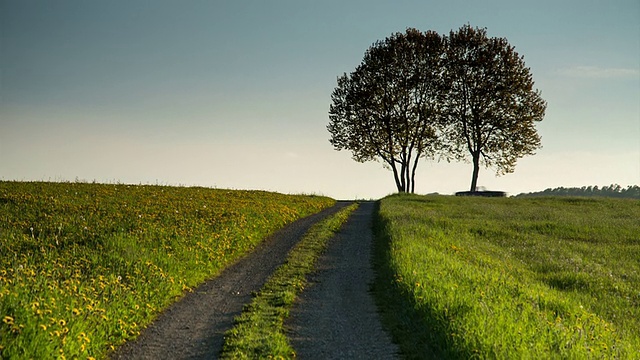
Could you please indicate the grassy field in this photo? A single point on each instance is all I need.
(84, 267)
(259, 331)
(510, 278)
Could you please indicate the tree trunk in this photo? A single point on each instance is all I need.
(403, 179)
(406, 172)
(395, 176)
(476, 171)
(413, 174)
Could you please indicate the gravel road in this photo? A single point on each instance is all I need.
(336, 317)
(193, 328)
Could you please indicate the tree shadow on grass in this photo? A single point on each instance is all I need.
(420, 332)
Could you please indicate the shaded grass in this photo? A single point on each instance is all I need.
(84, 267)
(258, 332)
(510, 278)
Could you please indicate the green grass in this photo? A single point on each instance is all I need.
(259, 333)
(510, 278)
(84, 267)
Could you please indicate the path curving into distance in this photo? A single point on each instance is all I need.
(194, 327)
(335, 317)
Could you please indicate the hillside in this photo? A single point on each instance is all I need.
(511, 278)
(84, 267)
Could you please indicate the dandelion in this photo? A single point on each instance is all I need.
(83, 336)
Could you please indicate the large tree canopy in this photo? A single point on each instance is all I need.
(491, 105)
(418, 94)
(387, 108)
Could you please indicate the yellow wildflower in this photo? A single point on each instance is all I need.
(8, 320)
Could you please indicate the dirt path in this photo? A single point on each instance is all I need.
(336, 317)
(193, 328)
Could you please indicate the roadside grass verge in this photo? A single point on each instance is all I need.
(510, 278)
(258, 332)
(85, 267)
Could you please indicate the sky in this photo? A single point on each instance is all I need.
(235, 94)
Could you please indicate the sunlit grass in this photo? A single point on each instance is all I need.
(85, 267)
(510, 278)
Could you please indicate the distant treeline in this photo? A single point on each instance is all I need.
(615, 190)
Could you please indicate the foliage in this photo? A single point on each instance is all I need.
(85, 267)
(614, 190)
(259, 333)
(421, 95)
(463, 277)
(387, 108)
(491, 104)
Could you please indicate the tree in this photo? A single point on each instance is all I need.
(387, 109)
(491, 105)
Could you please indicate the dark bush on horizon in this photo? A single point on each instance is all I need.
(614, 190)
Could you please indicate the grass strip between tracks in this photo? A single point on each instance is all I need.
(259, 332)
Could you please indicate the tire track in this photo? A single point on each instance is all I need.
(336, 317)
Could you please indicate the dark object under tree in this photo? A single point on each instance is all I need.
(484, 193)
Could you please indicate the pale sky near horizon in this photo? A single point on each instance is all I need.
(235, 94)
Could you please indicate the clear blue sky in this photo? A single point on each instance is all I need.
(235, 94)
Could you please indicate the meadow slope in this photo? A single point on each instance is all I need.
(510, 278)
(84, 267)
